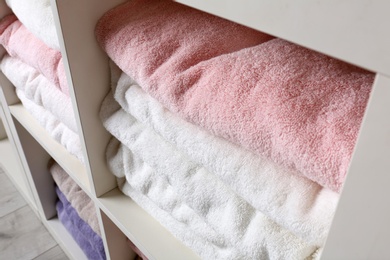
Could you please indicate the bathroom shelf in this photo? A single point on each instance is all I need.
(352, 31)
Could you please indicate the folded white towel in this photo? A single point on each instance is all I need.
(39, 90)
(253, 234)
(59, 131)
(152, 192)
(289, 199)
(37, 16)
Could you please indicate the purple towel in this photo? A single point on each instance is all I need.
(90, 242)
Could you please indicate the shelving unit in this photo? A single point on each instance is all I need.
(351, 31)
(86, 66)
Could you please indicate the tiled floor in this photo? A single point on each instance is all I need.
(22, 235)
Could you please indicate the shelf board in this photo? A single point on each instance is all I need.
(68, 162)
(352, 31)
(142, 229)
(64, 239)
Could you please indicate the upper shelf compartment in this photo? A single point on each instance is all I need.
(4, 9)
(353, 31)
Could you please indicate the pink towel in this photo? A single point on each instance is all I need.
(297, 107)
(157, 36)
(21, 44)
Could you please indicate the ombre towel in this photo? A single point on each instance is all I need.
(79, 200)
(299, 108)
(90, 242)
(253, 234)
(37, 16)
(22, 44)
(286, 197)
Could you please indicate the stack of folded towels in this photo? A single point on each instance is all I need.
(236, 141)
(33, 63)
(77, 213)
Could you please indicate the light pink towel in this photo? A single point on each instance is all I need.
(22, 44)
(158, 36)
(79, 200)
(295, 106)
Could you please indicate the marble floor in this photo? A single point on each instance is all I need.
(22, 235)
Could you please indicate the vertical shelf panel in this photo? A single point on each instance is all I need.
(116, 240)
(37, 160)
(361, 225)
(88, 75)
(20, 174)
(9, 161)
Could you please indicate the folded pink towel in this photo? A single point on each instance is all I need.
(297, 107)
(22, 44)
(160, 36)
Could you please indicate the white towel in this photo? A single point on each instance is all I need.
(289, 199)
(251, 232)
(37, 16)
(39, 90)
(152, 192)
(59, 131)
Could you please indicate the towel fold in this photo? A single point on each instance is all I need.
(22, 44)
(299, 108)
(253, 234)
(57, 130)
(145, 37)
(90, 242)
(153, 193)
(77, 198)
(39, 90)
(289, 199)
(37, 17)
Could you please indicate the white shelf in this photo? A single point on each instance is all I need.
(353, 31)
(143, 230)
(67, 161)
(64, 239)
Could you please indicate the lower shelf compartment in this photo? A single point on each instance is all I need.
(64, 239)
(143, 230)
(69, 162)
